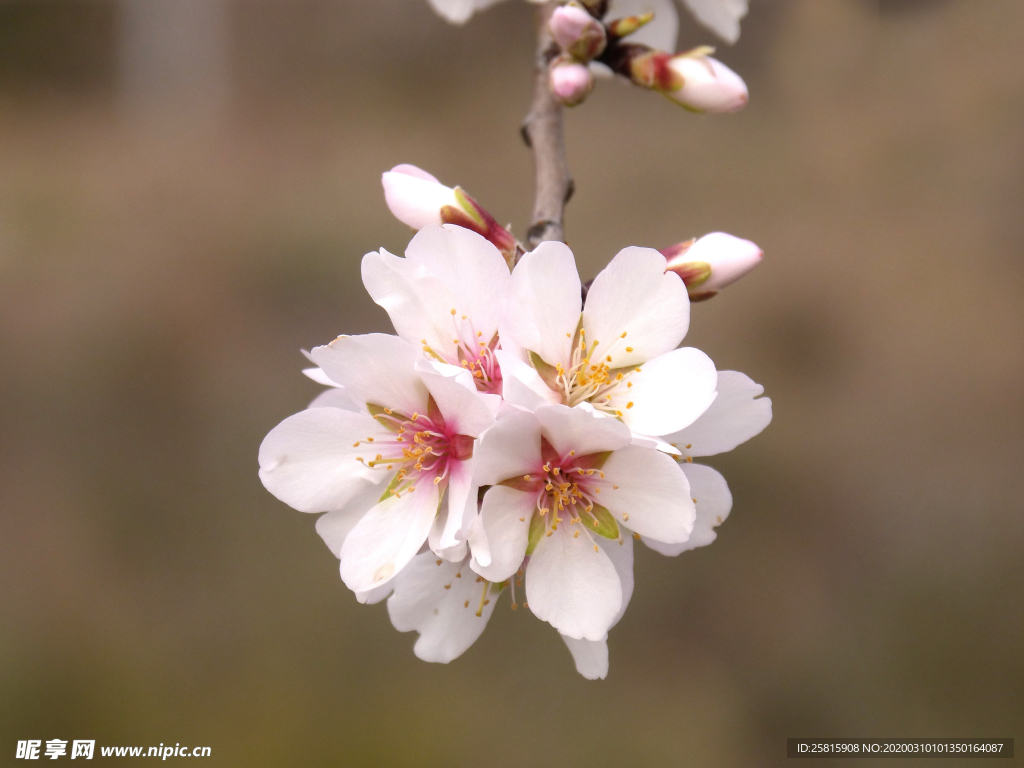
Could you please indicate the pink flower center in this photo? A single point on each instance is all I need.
(420, 447)
(472, 352)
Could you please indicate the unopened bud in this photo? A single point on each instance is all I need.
(579, 33)
(415, 197)
(570, 81)
(714, 261)
(419, 200)
(707, 84)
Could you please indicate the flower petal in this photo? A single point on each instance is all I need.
(733, 418)
(441, 605)
(713, 501)
(591, 657)
(543, 309)
(521, 384)
(335, 397)
(505, 517)
(418, 303)
(510, 448)
(464, 412)
(334, 526)
(472, 269)
(668, 393)
(462, 493)
(414, 200)
(652, 491)
(387, 538)
(635, 309)
(308, 461)
(375, 368)
(720, 16)
(620, 552)
(576, 429)
(572, 584)
(318, 375)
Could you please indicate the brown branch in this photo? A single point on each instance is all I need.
(544, 131)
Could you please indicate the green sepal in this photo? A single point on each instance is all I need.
(606, 525)
(591, 460)
(380, 415)
(537, 531)
(395, 486)
(498, 587)
(520, 483)
(469, 206)
(548, 373)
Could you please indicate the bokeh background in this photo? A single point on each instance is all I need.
(186, 189)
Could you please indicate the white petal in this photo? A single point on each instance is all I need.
(505, 517)
(668, 393)
(635, 296)
(334, 526)
(591, 657)
(456, 552)
(375, 595)
(335, 397)
(376, 368)
(455, 11)
(418, 303)
(649, 441)
(387, 538)
(462, 502)
(652, 491)
(471, 267)
(720, 16)
(510, 448)
(575, 429)
(660, 33)
(713, 500)
(620, 552)
(464, 412)
(573, 587)
(318, 375)
(543, 309)
(445, 618)
(733, 418)
(521, 384)
(308, 461)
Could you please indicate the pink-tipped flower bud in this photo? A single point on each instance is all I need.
(415, 197)
(419, 200)
(708, 85)
(571, 82)
(579, 33)
(714, 261)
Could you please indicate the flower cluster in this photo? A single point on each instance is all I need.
(590, 36)
(511, 437)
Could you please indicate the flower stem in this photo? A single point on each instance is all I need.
(544, 131)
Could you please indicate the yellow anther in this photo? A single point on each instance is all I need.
(619, 414)
(623, 335)
(629, 405)
(463, 317)
(576, 535)
(608, 358)
(625, 515)
(595, 548)
(369, 439)
(355, 445)
(526, 478)
(615, 487)
(447, 586)
(437, 480)
(453, 311)
(466, 604)
(636, 536)
(572, 453)
(629, 349)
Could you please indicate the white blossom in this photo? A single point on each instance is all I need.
(445, 297)
(568, 488)
(383, 470)
(708, 85)
(617, 354)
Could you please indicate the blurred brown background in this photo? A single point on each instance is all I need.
(186, 189)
